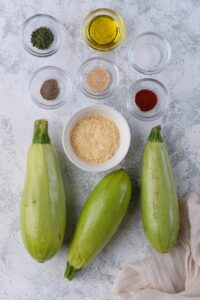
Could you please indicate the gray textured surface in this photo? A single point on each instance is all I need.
(20, 277)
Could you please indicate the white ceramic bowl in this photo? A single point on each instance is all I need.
(124, 133)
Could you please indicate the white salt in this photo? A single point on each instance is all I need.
(147, 56)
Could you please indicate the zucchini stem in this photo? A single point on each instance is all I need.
(70, 272)
(155, 135)
(40, 135)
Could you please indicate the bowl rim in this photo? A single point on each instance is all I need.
(35, 52)
(103, 94)
(66, 78)
(115, 15)
(130, 99)
(156, 70)
(98, 167)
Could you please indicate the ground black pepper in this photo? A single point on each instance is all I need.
(50, 89)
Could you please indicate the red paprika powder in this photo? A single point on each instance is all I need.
(146, 100)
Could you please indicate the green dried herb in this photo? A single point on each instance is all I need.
(42, 38)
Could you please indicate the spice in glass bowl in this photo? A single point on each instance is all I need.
(42, 38)
(146, 100)
(50, 89)
(95, 139)
(98, 79)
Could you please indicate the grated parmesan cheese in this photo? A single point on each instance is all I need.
(95, 139)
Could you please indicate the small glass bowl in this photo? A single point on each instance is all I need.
(103, 12)
(154, 86)
(98, 62)
(46, 73)
(36, 22)
(149, 53)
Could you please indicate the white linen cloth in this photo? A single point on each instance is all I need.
(170, 276)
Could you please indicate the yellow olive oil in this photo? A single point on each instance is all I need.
(103, 31)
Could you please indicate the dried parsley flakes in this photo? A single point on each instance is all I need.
(42, 38)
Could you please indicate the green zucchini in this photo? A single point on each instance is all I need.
(100, 217)
(160, 208)
(43, 212)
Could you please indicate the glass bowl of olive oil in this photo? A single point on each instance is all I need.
(103, 29)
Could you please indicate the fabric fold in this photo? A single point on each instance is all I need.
(173, 275)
